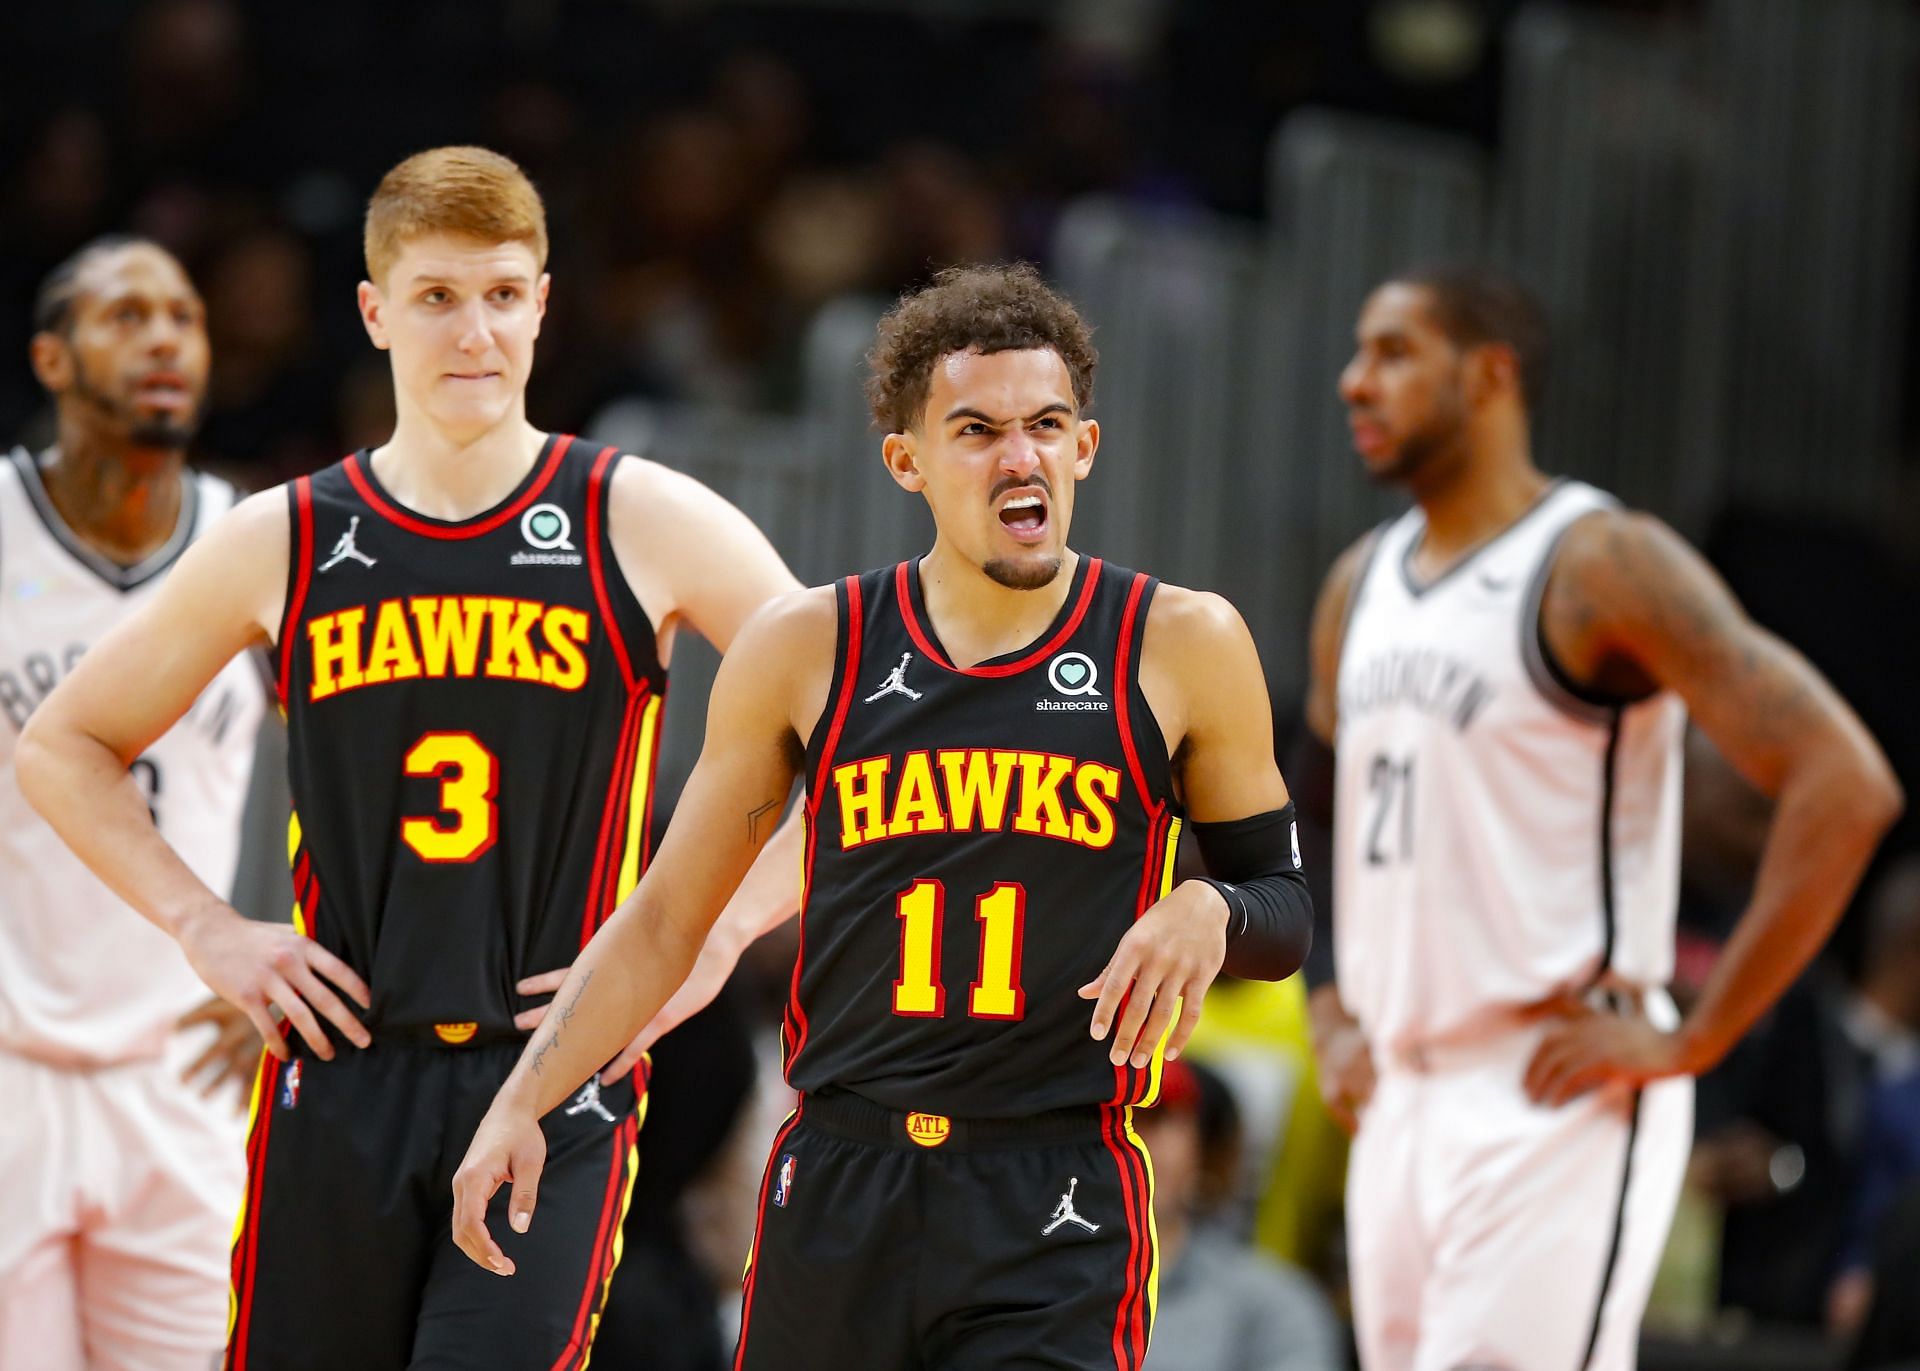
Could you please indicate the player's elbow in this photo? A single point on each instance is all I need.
(36, 763)
(1879, 795)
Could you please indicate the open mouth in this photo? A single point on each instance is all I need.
(1025, 516)
(163, 389)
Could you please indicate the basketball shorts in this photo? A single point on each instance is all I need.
(344, 1256)
(1486, 1231)
(121, 1189)
(915, 1242)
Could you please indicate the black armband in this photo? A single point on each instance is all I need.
(1256, 868)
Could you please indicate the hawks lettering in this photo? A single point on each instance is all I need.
(444, 635)
(976, 790)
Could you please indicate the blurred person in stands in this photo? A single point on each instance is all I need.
(1224, 1305)
(122, 1177)
(472, 625)
(1781, 1139)
(1889, 1334)
(1502, 676)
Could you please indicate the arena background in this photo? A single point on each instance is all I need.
(1715, 199)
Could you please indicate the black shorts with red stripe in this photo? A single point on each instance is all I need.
(344, 1255)
(916, 1243)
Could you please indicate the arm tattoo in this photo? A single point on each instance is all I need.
(753, 819)
(566, 1012)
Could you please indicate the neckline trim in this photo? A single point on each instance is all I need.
(122, 578)
(359, 467)
(907, 590)
(1416, 588)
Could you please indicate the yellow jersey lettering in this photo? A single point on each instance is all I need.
(863, 800)
(513, 656)
(916, 804)
(564, 665)
(977, 783)
(450, 629)
(1097, 787)
(1041, 775)
(392, 656)
(335, 640)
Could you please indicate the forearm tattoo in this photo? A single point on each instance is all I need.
(558, 1022)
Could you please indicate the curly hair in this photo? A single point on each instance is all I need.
(985, 309)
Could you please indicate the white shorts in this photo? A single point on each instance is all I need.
(1486, 1233)
(121, 1187)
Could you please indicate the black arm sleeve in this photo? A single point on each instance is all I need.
(1270, 927)
(1309, 771)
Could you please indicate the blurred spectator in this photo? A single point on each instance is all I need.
(1889, 1338)
(1780, 1137)
(1223, 1305)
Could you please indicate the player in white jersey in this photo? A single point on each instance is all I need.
(122, 1178)
(1504, 674)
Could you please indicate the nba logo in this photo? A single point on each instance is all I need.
(783, 1183)
(290, 1087)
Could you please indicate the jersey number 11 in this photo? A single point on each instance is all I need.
(1002, 914)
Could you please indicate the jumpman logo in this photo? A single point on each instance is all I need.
(344, 549)
(896, 682)
(1063, 1212)
(588, 1100)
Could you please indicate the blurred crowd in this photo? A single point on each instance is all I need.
(714, 173)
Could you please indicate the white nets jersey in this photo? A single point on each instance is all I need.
(1498, 837)
(84, 980)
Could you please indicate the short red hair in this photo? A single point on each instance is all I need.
(469, 191)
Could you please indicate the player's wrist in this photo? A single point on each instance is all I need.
(192, 920)
(1215, 899)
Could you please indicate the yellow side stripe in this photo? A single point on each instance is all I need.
(240, 1218)
(619, 1245)
(1159, 1061)
(1153, 1230)
(637, 803)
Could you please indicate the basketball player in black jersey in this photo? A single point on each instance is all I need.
(1001, 742)
(471, 626)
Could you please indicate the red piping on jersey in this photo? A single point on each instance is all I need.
(1122, 698)
(601, 1266)
(303, 558)
(1122, 1340)
(594, 565)
(1045, 650)
(590, 916)
(1143, 1202)
(622, 811)
(759, 1222)
(816, 792)
(257, 1168)
(414, 524)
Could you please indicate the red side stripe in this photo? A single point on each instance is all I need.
(622, 798)
(603, 1242)
(1139, 1327)
(595, 499)
(590, 916)
(1041, 653)
(302, 554)
(816, 792)
(759, 1223)
(1109, 1134)
(414, 524)
(1122, 711)
(243, 1321)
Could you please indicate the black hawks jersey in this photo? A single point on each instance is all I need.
(978, 841)
(472, 712)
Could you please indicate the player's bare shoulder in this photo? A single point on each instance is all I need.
(1621, 578)
(1197, 658)
(1327, 636)
(786, 651)
(238, 568)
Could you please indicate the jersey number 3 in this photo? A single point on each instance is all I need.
(1002, 914)
(469, 780)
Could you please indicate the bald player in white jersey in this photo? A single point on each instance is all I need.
(122, 1179)
(1504, 674)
